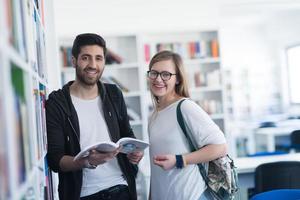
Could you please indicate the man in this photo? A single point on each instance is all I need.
(83, 112)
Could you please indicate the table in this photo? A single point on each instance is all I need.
(273, 132)
(246, 166)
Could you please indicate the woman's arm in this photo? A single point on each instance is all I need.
(206, 153)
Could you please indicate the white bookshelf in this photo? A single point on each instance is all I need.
(202, 63)
(23, 90)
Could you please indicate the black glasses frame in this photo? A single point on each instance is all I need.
(169, 75)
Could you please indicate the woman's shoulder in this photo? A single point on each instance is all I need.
(188, 103)
(191, 108)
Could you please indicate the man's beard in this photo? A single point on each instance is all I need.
(83, 78)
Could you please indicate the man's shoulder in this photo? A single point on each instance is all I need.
(56, 94)
(110, 86)
(112, 89)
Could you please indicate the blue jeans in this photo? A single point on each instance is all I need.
(206, 196)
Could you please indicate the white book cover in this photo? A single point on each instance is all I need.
(127, 144)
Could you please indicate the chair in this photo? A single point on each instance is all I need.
(286, 194)
(277, 175)
(295, 140)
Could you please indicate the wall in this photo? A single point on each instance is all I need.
(282, 32)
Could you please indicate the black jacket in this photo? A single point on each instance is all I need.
(63, 135)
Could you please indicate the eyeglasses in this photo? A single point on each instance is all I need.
(164, 75)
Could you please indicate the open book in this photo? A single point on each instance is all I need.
(127, 144)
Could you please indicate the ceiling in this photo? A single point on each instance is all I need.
(133, 16)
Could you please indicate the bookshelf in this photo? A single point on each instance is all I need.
(23, 91)
(201, 57)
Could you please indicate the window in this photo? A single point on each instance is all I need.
(293, 59)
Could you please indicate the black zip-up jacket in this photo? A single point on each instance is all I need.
(64, 138)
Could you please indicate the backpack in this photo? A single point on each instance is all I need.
(221, 177)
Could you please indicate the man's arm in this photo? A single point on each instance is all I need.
(95, 158)
(55, 135)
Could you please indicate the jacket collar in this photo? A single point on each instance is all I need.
(63, 98)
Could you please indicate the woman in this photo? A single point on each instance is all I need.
(174, 173)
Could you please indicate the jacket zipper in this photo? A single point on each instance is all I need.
(77, 137)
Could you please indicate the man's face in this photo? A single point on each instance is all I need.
(89, 64)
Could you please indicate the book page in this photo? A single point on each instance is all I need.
(100, 146)
(130, 145)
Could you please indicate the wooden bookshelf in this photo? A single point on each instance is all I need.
(23, 91)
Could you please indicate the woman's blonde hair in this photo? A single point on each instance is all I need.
(181, 87)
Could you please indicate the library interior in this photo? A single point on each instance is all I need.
(241, 59)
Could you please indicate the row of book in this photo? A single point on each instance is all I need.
(29, 144)
(66, 57)
(39, 96)
(210, 79)
(4, 181)
(23, 135)
(16, 26)
(188, 50)
(42, 187)
(23, 140)
(210, 106)
(39, 4)
(25, 31)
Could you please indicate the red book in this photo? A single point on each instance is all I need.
(147, 52)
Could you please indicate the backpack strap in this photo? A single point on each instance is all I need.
(181, 123)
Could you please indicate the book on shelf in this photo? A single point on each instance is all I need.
(147, 52)
(113, 80)
(126, 145)
(43, 94)
(37, 109)
(48, 188)
(19, 120)
(4, 181)
(112, 57)
(16, 26)
(192, 50)
(200, 79)
(214, 48)
(66, 56)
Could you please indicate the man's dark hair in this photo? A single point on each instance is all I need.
(87, 39)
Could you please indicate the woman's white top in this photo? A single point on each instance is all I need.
(166, 137)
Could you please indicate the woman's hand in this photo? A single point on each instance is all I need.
(166, 162)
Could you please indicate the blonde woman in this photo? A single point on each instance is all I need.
(174, 171)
